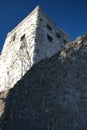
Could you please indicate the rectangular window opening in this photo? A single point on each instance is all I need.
(13, 37)
(49, 27)
(40, 19)
(58, 35)
(22, 38)
(49, 38)
(65, 41)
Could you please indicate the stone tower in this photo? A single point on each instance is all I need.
(34, 39)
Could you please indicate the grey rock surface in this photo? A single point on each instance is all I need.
(52, 95)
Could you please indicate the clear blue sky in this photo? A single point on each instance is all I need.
(70, 15)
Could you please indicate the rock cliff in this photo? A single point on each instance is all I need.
(52, 95)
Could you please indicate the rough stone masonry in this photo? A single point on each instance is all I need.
(34, 39)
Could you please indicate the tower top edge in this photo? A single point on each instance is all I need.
(36, 9)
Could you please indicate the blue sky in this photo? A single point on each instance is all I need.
(70, 15)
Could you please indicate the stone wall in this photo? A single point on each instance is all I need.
(17, 53)
(34, 39)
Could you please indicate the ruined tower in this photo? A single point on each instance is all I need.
(33, 39)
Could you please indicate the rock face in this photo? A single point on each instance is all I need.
(35, 38)
(52, 95)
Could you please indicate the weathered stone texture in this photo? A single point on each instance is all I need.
(35, 38)
(52, 95)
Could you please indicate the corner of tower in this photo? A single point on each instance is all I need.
(37, 7)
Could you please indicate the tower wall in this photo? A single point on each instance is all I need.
(49, 39)
(17, 53)
(34, 39)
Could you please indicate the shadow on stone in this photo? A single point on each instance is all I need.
(51, 96)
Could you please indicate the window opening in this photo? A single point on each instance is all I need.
(22, 38)
(49, 27)
(58, 35)
(49, 38)
(13, 37)
(40, 19)
(64, 41)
